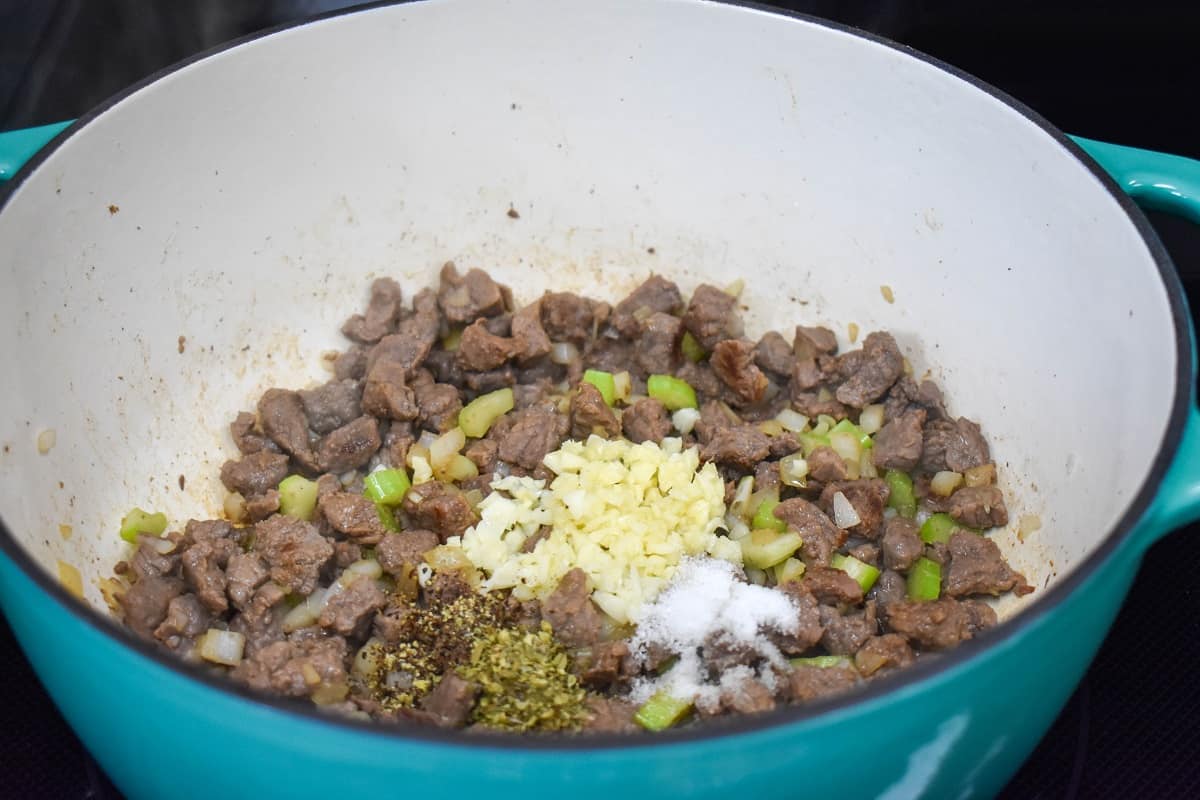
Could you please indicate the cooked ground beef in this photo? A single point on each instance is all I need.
(374, 609)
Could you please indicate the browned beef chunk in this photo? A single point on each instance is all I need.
(978, 507)
(262, 506)
(881, 364)
(901, 544)
(534, 432)
(720, 653)
(812, 405)
(733, 361)
(808, 683)
(203, 571)
(396, 444)
(293, 550)
(351, 364)
(354, 515)
(657, 350)
(289, 667)
(332, 405)
(407, 349)
(436, 507)
(247, 436)
(256, 473)
(890, 588)
(451, 701)
(773, 401)
(604, 665)
(898, 444)
(281, 414)
(826, 466)
(701, 378)
(831, 586)
(567, 317)
(907, 394)
(396, 622)
(444, 366)
(712, 316)
(145, 603)
(882, 654)
(977, 567)
(350, 446)
(480, 350)
(396, 551)
(148, 562)
(244, 573)
(750, 696)
(714, 416)
(483, 452)
(463, 298)
(261, 622)
(524, 614)
(656, 294)
(531, 338)
(185, 620)
(955, 445)
(439, 404)
(774, 354)
(646, 421)
(207, 530)
(844, 634)
(866, 552)
(766, 476)
(868, 496)
(610, 715)
(500, 325)
(607, 354)
(590, 414)
(386, 393)
(446, 587)
(349, 612)
(929, 397)
(346, 553)
(383, 309)
(742, 446)
(821, 537)
(571, 613)
(809, 630)
(936, 624)
(813, 342)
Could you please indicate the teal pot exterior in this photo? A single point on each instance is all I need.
(956, 726)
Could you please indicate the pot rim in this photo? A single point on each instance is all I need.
(721, 727)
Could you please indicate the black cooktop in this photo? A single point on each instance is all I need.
(1123, 72)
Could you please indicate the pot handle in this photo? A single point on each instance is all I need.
(1165, 183)
(17, 147)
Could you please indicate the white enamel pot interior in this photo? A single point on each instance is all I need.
(203, 237)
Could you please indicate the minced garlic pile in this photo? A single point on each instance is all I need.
(625, 513)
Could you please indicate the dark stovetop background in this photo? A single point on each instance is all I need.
(1123, 72)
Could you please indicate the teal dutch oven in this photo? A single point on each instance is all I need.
(200, 236)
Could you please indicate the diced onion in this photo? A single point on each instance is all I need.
(460, 468)
(685, 419)
(944, 483)
(422, 472)
(235, 507)
(741, 497)
(366, 660)
(307, 612)
(983, 475)
(738, 529)
(622, 386)
(756, 576)
(329, 693)
(366, 566)
(735, 289)
(771, 427)
(162, 546)
(427, 438)
(866, 465)
(564, 353)
(310, 674)
(1029, 523)
(222, 647)
(424, 574)
(888, 294)
(846, 445)
(443, 449)
(793, 470)
(46, 441)
(792, 420)
(70, 578)
(871, 419)
(852, 332)
(844, 515)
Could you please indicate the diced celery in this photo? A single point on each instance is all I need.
(452, 339)
(671, 392)
(864, 573)
(387, 517)
(791, 569)
(846, 426)
(901, 496)
(138, 521)
(604, 383)
(938, 528)
(478, 415)
(811, 441)
(387, 486)
(661, 711)
(924, 580)
(824, 662)
(764, 515)
(692, 350)
(297, 497)
(764, 548)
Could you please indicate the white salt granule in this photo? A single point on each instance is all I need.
(706, 600)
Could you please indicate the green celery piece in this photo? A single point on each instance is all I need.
(692, 350)
(603, 381)
(661, 712)
(671, 392)
(478, 415)
(387, 517)
(297, 497)
(924, 580)
(811, 441)
(824, 662)
(846, 426)
(764, 516)
(138, 521)
(387, 486)
(938, 528)
(764, 548)
(901, 496)
(864, 573)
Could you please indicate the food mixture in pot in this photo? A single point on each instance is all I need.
(571, 516)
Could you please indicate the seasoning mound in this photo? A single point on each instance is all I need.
(625, 513)
(707, 602)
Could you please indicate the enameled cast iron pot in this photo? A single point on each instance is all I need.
(200, 237)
